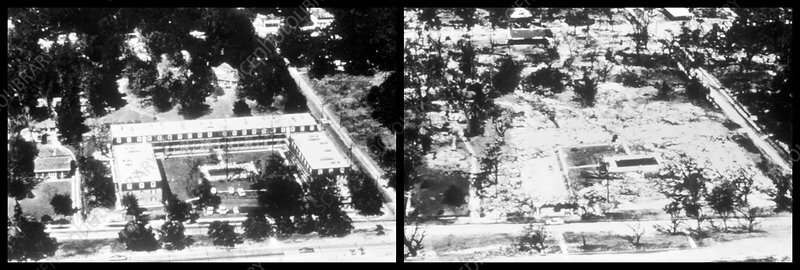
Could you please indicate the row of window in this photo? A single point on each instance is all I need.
(141, 185)
(218, 140)
(57, 175)
(213, 134)
(206, 146)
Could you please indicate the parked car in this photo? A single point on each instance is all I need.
(118, 258)
(554, 221)
(222, 210)
(306, 250)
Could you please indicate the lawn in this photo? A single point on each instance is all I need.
(606, 241)
(39, 205)
(428, 202)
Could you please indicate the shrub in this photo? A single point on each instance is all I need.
(533, 237)
(664, 90)
(173, 237)
(695, 89)
(507, 77)
(551, 79)
(631, 79)
(138, 237)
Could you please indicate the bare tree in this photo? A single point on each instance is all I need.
(533, 237)
(637, 230)
(640, 19)
(413, 242)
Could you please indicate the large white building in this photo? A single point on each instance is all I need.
(135, 171)
(198, 137)
(317, 155)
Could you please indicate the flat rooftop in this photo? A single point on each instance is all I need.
(135, 163)
(319, 150)
(209, 125)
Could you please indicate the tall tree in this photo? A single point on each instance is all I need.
(138, 236)
(722, 200)
(27, 239)
(507, 77)
(367, 38)
(365, 195)
(281, 197)
(21, 179)
(98, 187)
(173, 236)
(62, 204)
(256, 226)
(70, 121)
(467, 16)
(383, 100)
(222, 234)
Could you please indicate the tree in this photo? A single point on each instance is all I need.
(240, 108)
(502, 120)
(173, 237)
(578, 17)
(98, 186)
(664, 90)
(206, 198)
(62, 204)
(222, 234)
(533, 237)
(507, 77)
(131, 205)
(641, 22)
(21, 179)
(365, 194)
(383, 101)
(430, 17)
(586, 90)
(138, 236)
(490, 169)
(177, 209)
(466, 64)
(70, 121)
(551, 79)
(27, 239)
(367, 39)
(326, 203)
(454, 197)
(722, 200)
(636, 234)
(684, 181)
(281, 197)
(413, 242)
(467, 16)
(257, 227)
(335, 223)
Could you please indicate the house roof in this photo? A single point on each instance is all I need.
(52, 164)
(209, 125)
(225, 72)
(319, 151)
(678, 12)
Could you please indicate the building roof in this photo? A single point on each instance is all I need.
(208, 125)
(520, 13)
(135, 162)
(52, 164)
(225, 72)
(678, 13)
(319, 151)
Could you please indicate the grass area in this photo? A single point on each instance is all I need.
(39, 205)
(428, 202)
(177, 171)
(603, 242)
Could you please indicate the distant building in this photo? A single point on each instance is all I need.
(135, 171)
(678, 14)
(317, 155)
(227, 76)
(320, 17)
(53, 163)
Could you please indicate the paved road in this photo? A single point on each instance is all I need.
(106, 232)
(619, 227)
(382, 248)
(342, 139)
